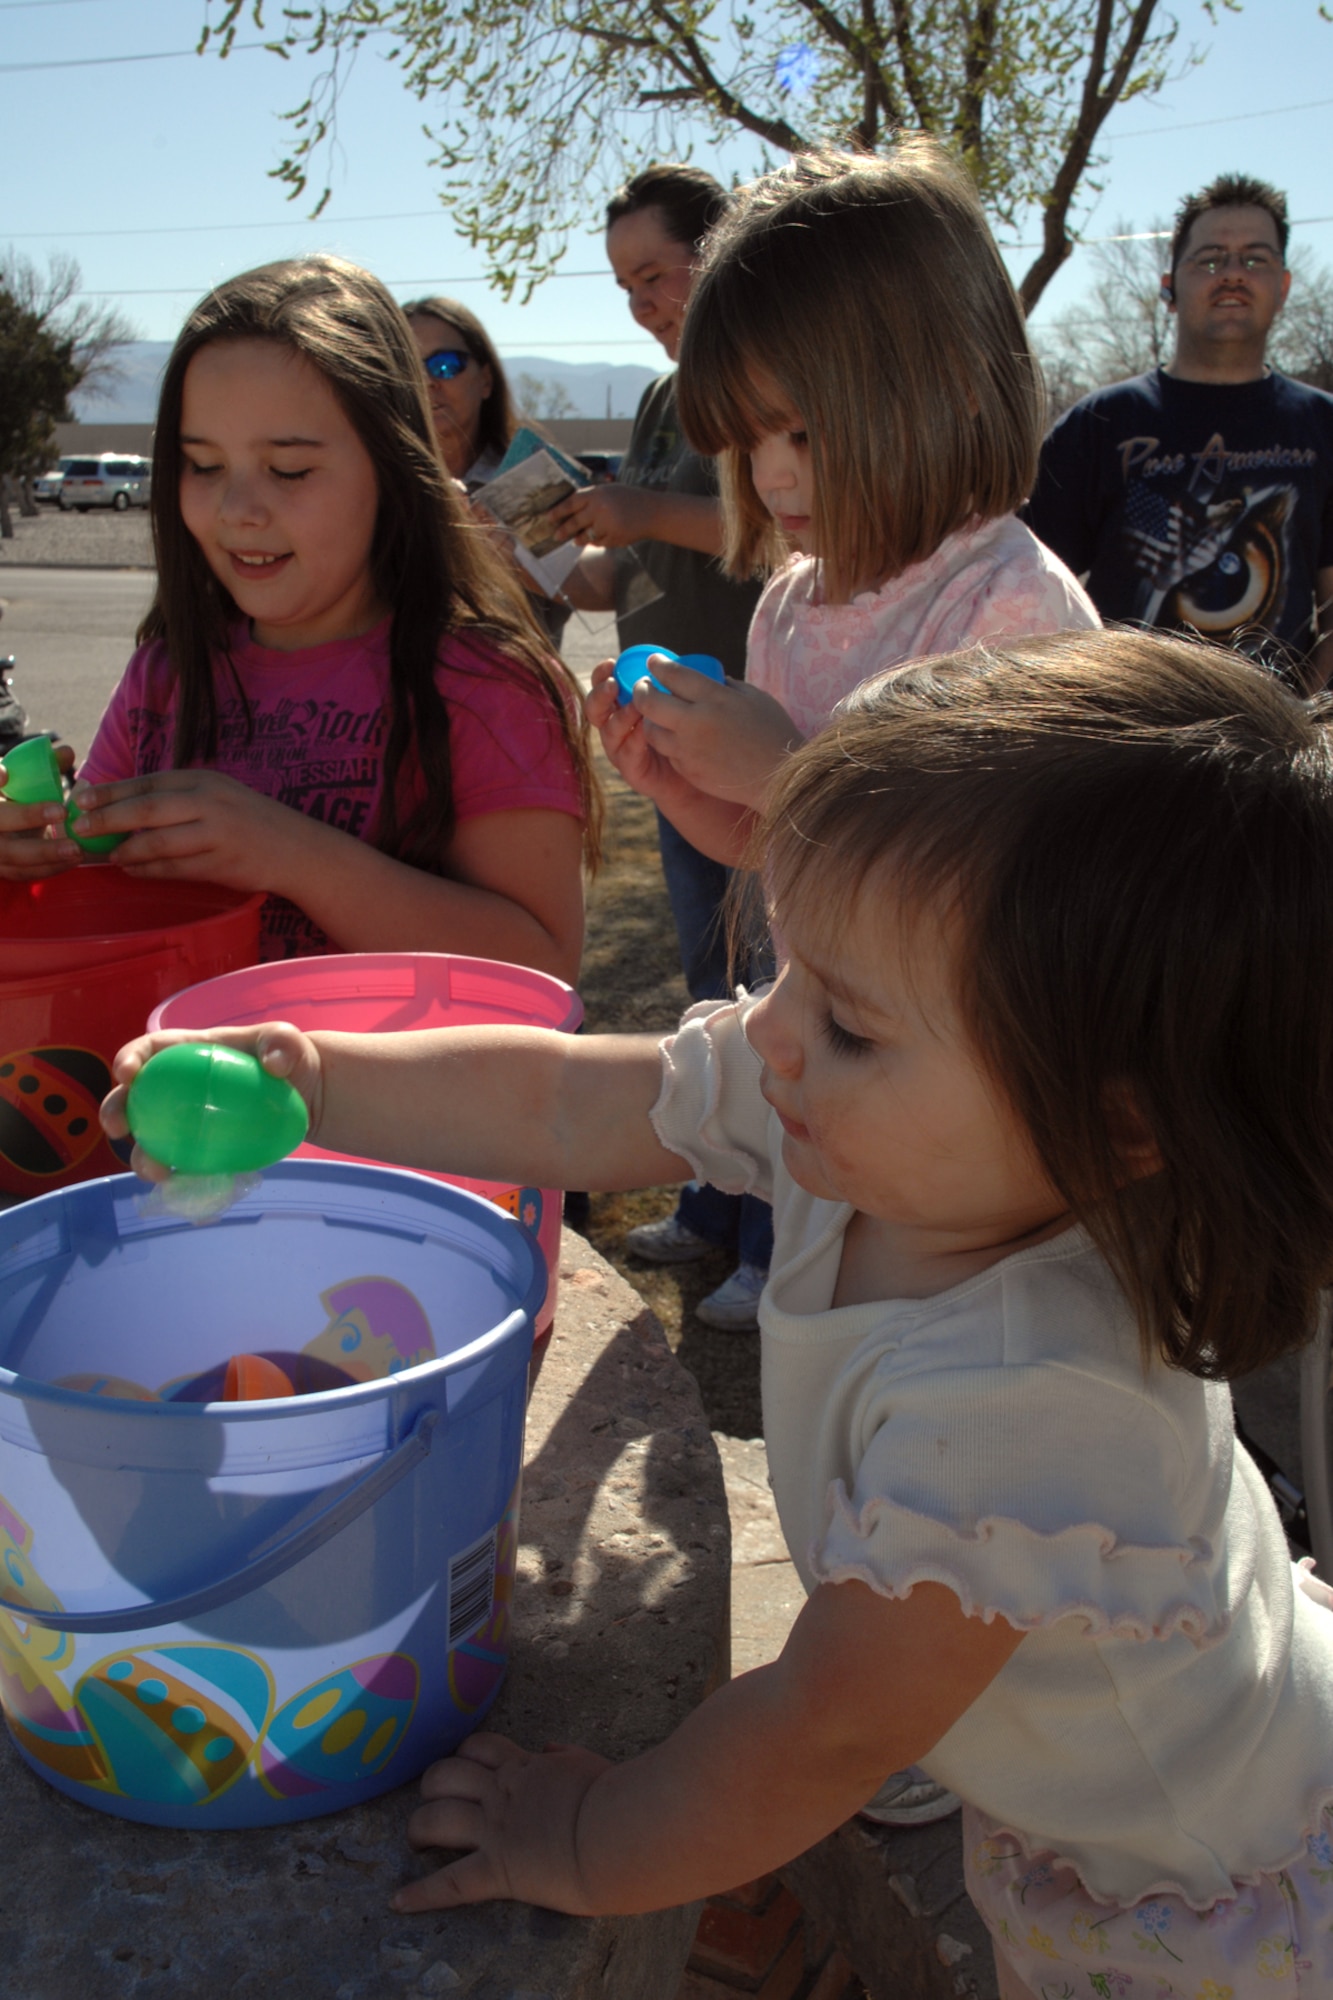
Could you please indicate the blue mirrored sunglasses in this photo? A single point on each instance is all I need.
(446, 362)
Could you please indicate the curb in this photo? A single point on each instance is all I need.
(890, 1900)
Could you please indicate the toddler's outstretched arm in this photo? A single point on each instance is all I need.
(767, 1766)
(520, 1104)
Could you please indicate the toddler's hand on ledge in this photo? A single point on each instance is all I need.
(516, 1813)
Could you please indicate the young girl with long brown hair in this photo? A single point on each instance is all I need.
(339, 696)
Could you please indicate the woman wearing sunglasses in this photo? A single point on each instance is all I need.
(469, 397)
(473, 412)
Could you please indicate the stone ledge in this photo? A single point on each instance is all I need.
(894, 1901)
(892, 1898)
(621, 1612)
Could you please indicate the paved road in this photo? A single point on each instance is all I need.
(71, 632)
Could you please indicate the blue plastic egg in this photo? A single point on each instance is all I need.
(632, 667)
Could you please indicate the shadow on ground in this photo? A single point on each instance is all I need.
(631, 982)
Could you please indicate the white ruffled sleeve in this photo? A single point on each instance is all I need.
(709, 1109)
(1039, 1493)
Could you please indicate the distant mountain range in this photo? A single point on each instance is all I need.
(594, 388)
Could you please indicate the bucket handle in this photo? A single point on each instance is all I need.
(257, 1568)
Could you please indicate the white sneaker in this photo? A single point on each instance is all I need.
(668, 1242)
(734, 1306)
(909, 1798)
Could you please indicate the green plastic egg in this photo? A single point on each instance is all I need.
(200, 1108)
(32, 775)
(92, 843)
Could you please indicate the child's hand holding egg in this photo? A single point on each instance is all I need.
(206, 1114)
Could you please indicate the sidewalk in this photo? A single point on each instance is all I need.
(99, 539)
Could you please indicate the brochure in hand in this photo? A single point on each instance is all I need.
(534, 477)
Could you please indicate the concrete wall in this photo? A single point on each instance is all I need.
(589, 433)
(136, 440)
(570, 433)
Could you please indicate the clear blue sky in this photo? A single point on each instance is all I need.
(155, 174)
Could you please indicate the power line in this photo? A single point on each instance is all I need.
(1234, 118)
(484, 278)
(197, 291)
(433, 215)
(238, 48)
(1154, 235)
(218, 228)
(334, 223)
(101, 62)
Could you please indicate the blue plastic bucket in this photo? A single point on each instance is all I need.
(233, 1614)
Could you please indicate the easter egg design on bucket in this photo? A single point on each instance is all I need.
(342, 1729)
(38, 1706)
(376, 1328)
(525, 1205)
(477, 1662)
(48, 1108)
(177, 1725)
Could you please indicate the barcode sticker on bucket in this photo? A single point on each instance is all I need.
(471, 1585)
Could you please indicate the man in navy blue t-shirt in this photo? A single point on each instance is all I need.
(1200, 497)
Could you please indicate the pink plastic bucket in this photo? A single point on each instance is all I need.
(386, 993)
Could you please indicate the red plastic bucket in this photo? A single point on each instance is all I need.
(387, 992)
(93, 915)
(83, 963)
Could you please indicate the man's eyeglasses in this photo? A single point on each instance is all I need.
(1208, 263)
(446, 362)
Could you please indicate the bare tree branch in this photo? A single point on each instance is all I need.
(912, 74)
(1095, 108)
(694, 65)
(978, 56)
(540, 106)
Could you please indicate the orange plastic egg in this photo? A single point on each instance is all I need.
(251, 1379)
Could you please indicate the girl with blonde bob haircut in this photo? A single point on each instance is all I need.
(868, 295)
(339, 696)
(855, 356)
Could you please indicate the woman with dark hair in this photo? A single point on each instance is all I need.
(473, 414)
(663, 516)
(466, 387)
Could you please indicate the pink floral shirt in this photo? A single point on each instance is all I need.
(991, 580)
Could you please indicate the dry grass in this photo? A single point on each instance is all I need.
(631, 980)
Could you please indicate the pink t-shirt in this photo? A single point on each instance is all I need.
(315, 736)
(991, 580)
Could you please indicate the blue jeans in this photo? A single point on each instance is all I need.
(697, 887)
